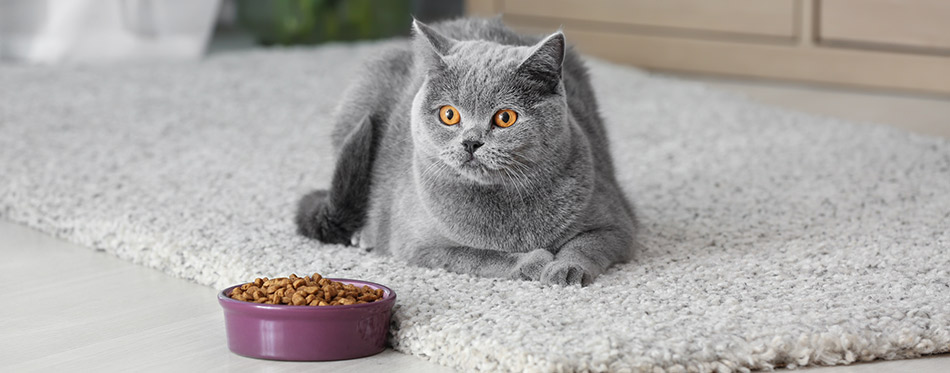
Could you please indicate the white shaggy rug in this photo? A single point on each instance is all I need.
(773, 238)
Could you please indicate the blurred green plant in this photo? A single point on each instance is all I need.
(287, 22)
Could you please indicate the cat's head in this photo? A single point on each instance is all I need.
(489, 112)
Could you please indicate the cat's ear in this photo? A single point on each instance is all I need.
(430, 44)
(545, 62)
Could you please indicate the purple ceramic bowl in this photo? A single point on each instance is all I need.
(308, 333)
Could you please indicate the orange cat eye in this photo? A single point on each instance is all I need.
(505, 118)
(449, 115)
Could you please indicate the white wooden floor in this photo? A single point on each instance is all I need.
(91, 311)
(69, 308)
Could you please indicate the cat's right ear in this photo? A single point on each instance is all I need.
(430, 45)
(546, 61)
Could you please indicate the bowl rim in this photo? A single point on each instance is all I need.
(227, 301)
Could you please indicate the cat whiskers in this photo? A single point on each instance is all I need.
(516, 171)
(436, 166)
(432, 166)
(517, 183)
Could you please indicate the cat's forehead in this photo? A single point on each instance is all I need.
(487, 54)
(478, 77)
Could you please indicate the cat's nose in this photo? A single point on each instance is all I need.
(472, 145)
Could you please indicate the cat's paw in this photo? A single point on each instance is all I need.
(562, 272)
(531, 264)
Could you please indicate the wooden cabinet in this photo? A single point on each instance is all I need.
(886, 44)
(915, 25)
(756, 17)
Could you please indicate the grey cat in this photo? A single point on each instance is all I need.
(476, 150)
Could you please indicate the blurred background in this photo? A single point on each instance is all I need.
(784, 51)
(55, 31)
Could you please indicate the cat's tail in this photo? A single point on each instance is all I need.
(334, 215)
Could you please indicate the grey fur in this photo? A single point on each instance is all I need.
(537, 201)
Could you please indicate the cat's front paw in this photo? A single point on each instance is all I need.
(562, 272)
(531, 264)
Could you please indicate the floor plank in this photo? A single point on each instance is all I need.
(924, 114)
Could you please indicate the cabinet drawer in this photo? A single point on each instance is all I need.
(900, 23)
(756, 17)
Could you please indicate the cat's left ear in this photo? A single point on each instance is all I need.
(546, 60)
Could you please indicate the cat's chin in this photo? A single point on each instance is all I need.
(477, 172)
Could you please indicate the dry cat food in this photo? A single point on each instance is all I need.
(305, 291)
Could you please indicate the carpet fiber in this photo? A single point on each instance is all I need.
(773, 238)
